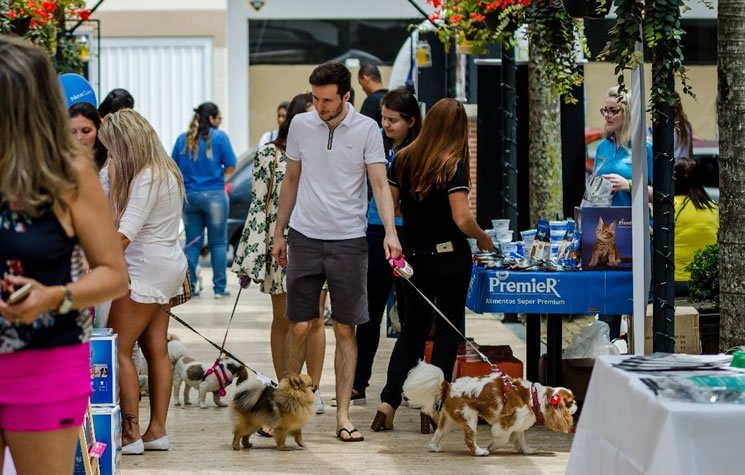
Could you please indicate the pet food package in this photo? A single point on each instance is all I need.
(541, 248)
(598, 192)
(104, 368)
(107, 423)
(606, 238)
(566, 241)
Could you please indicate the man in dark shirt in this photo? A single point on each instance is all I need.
(369, 79)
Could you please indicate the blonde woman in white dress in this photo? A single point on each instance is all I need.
(147, 193)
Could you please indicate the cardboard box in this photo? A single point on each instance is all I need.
(500, 355)
(616, 220)
(687, 336)
(575, 374)
(104, 369)
(107, 422)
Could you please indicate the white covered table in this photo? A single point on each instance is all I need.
(625, 429)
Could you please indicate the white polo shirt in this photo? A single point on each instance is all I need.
(332, 193)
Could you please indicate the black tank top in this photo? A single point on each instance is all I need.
(40, 249)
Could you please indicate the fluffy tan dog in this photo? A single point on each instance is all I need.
(286, 409)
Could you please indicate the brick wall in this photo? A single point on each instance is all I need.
(472, 111)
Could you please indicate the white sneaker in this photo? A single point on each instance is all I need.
(320, 409)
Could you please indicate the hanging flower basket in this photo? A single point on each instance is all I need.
(593, 9)
(464, 47)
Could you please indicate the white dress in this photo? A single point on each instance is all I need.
(155, 260)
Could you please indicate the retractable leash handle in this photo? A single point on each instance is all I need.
(400, 267)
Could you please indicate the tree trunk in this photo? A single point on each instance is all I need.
(731, 110)
(544, 152)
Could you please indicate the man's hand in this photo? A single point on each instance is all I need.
(391, 245)
(279, 251)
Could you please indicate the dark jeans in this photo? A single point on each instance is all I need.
(207, 209)
(444, 279)
(380, 281)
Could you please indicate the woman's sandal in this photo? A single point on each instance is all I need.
(425, 422)
(382, 421)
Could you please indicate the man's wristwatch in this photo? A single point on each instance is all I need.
(66, 304)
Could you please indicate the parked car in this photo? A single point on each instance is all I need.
(238, 187)
(706, 152)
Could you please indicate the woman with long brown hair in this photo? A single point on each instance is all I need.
(430, 180)
(147, 193)
(51, 204)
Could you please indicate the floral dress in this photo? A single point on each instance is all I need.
(253, 258)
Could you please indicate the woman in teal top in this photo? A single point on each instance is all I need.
(613, 155)
(402, 122)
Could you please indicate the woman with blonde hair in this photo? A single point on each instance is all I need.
(147, 194)
(613, 155)
(204, 156)
(430, 180)
(51, 204)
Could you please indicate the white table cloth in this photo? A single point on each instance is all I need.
(625, 429)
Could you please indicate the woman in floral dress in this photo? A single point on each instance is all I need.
(253, 257)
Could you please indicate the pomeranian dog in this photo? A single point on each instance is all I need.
(286, 409)
(510, 406)
(206, 378)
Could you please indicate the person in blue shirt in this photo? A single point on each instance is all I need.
(205, 156)
(613, 162)
(613, 155)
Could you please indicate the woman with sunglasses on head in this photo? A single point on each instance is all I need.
(613, 155)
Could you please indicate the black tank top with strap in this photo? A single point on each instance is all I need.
(39, 248)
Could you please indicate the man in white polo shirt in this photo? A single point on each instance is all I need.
(331, 152)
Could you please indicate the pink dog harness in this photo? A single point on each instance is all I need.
(223, 378)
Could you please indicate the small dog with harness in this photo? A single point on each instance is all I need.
(206, 378)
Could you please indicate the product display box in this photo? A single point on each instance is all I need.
(500, 355)
(107, 422)
(104, 368)
(606, 238)
(687, 336)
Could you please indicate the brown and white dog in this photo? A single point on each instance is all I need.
(205, 378)
(286, 409)
(510, 406)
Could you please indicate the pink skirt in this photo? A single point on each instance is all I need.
(43, 376)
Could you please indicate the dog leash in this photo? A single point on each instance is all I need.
(260, 376)
(403, 269)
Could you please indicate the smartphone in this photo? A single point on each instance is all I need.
(19, 294)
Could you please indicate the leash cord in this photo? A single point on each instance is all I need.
(481, 355)
(232, 314)
(223, 350)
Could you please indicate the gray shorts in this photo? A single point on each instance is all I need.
(342, 263)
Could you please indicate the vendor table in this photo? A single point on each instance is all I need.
(626, 429)
(554, 294)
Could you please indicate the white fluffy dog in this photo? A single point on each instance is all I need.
(205, 378)
(176, 350)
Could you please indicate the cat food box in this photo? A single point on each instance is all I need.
(606, 238)
(107, 426)
(104, 368)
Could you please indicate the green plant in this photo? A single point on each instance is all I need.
(661, 33)
(556, 36)
(466, 21)
(704, 268)
(43, 23)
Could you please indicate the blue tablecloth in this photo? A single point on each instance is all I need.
(498, 291)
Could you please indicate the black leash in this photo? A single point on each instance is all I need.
(260, 376)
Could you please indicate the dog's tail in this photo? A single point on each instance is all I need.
(247, 395)
(423, 386)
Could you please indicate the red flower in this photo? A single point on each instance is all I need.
(12, 15)
(456, 18)
(555, 400)
(51, 7)
(477, 16)
(84, 14)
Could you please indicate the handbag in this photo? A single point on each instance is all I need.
(185, 294)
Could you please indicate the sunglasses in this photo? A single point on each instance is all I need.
(610, 111)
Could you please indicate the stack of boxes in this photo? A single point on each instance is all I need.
(107, 420)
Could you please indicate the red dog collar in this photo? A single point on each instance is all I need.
(536, 406)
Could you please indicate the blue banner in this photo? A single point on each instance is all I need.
(498, 291)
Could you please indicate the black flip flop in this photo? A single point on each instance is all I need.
(349, 431)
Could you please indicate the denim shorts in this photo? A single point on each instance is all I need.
(342, 263)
